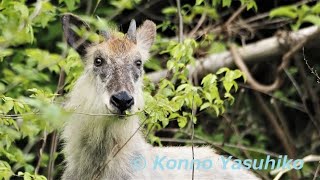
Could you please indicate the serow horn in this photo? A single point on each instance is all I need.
(131, 34)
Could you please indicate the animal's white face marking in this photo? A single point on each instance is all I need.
(116, 64)
(118, 69)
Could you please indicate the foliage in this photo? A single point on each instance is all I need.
(175, 99)
(300, 14)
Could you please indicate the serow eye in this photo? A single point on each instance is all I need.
(98, 61)
(138, 63)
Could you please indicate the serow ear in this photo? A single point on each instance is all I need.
(69, 22)
(146, 34)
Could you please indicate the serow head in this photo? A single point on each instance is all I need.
(114, 63)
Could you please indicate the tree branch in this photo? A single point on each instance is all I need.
(289, 148)
(180, 22)
(255, 52)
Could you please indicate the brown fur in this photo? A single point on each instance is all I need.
(119, 45)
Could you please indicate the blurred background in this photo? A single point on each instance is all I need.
(195, 93)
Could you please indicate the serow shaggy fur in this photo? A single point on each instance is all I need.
(95, 146)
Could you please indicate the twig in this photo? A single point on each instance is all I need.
(284, 64)
(235, 129)
(144, 10)
(291, 104)
(59, 91)
(34, 14)
(295, 84)
(227, 25)
(180, 37)
(106, 114)
(192, 135)
(317, 172)
(14, 116)
(100, 169)
(89, 6)
(282, 119)
(44, 140)
(234, 15)
(147, 5)
(253, 52)
(36, 11)
(312, 70)
(54, 137)
(309, 90)
(95, 8)
(182, 140)
(242, 66)
(200, 22)
(290, 149)
(266, 14)
(219, 145)
(150, 129)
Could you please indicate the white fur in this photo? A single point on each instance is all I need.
(93, 141)
(86, 98)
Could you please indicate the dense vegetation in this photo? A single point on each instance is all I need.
(185, 108)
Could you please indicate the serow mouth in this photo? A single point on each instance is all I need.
(122, 114)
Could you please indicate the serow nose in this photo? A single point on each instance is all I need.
(122, 101)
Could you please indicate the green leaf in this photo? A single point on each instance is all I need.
(198, 2)
(170, 10)
(182, 87)
(216, 109)
(286, 11)
(227, 85)
(4, 53)
(170, 64)
(226, 3)
(230, 97)
(205, 106)
(222, 70)
(7, 106)
(295, 26)
(5, 170)
(165, 122)
(182, 121)
(217, 47)
(235, 85)
(153, 64)
(316, 9)
(237, 74)
(23, 9)
(71, 4)
(27, 176)
(312, 19)
(215, 3)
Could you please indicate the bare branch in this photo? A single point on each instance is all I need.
(312, 70)
(235, 15)
(192, 135)
(255, 52)
(316, 174)
(200, 22)
(256, 85)
(180, 22)
(289, 148)
(44, 140)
